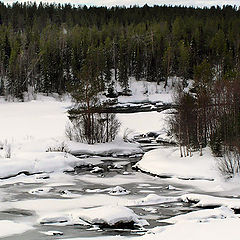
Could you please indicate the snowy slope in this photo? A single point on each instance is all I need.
(166, 161)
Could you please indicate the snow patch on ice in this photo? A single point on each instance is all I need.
(116, 147)
(115, 191)
(9, 228)
(152, 199)
(40, 191)
(53, 233)
(37, 162)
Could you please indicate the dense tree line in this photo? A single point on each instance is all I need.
(44, 47)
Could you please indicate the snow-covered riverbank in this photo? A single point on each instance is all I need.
(52, 202)
(32, 132)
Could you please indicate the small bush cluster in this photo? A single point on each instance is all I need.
(99, 128)
(62, 147)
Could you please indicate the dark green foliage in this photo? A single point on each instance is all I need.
(44, 46)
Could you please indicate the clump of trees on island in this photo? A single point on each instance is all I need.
(210, 115)
(62, 48)
(88, 122)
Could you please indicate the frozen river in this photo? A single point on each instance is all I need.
(26, 199)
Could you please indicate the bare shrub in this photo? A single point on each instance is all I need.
(8, 150)
(229, 164)
(126, 134)
(62, 147)
(1, 145)
(73, 132)
(104, 128)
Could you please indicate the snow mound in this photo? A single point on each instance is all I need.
(37, 162)
(61, 219)
(104, 215)
(97, 170)
(69, 194)
(152, 199)
(204, 215)
(110, 215)
(118, 191)
(204, 201)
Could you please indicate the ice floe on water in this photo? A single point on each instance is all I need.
(152, 199)
(150, 209)
(53, 233)
(118, 190)
(64, 219)
(41, 191)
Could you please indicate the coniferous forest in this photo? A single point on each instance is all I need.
(50, 48)
(45, 46)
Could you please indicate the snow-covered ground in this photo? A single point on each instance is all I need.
(198, 172)
(29, 129)
(166, 161)
(143, 91)
(141, 123)
(220, 223)
(29, 132)
(9, 228)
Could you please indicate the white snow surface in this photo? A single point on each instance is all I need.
(40, 119)
(167, 161)
(29, 129)
(198, 172)
(9, 228)
(203, 215)
(211, 201)
(143, 91)
(142, 122)
(220, 229)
